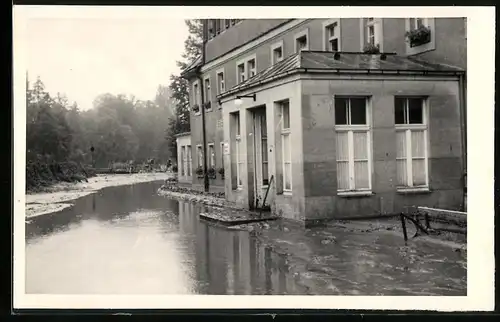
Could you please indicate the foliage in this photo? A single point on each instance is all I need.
(419, 36)
(221, 171)
(371, 49)
(174, 168)
(199, 171)
(120, 128)
(179, 123)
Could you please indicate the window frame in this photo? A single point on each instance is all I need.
(199, 152)
(183, 160)
(408, 129)
(196, 96)
(189, 160)
(211, 155)
(350, 129)
(299, 35)
(222, 146)
(238, 146)
(326, 36)
(277, 45)
(246, 71)
(217, 73)
(286, 133)
(207, 91)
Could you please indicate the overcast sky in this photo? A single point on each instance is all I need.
(88, 56)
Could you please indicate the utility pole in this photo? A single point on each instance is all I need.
(202, 92)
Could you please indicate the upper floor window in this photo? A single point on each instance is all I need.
(246, 68)
(217, 26)
(286, 145)
(411, 138)
(207, 91)
(416, 23)
(333, 37)
(302, 41)
(221, 86)
(196, 93)
(418, 31)
(251, 67)
(370, 32)
(277, 52)
(227, 23)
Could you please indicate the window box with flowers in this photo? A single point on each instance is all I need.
(221, 172)
(418, 36)
(196, 108)
(211, 173)
(199, 172)
(371, 49)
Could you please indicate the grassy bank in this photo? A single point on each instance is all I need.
(40, 175)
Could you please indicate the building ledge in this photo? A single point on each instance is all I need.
(351, 194)
(409, 191)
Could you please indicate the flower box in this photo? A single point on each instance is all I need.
(207, 105)
(371, 49)
(419, 36)
(196, 108)
(211, 173)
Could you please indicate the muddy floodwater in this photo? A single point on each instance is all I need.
(130, 240)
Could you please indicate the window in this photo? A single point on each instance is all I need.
(221, 87)
(416, 23)
(183, 160)
(195, 94)
(353, 144)
(370, 34)
(411, 138)
(207, 90)
(251, 67)
(333, 38)
(189, 161)
(302, 43)
(217, 26)
(211, 155)
(241, 73)
(211, 28)
(239, 152)
(286, 148)
(233, 21)
(276, 52)
(199, 150)
(226, 23)
(265, 161)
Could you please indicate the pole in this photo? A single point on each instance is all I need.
(463, 125)
(203, 126)
(403, 223)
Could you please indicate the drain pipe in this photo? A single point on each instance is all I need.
(202, 109)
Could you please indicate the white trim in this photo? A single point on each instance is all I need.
(275, 46)
(199, 148)
(210, 156)
(326, 24)
(252, 44)
(413, 189)
(298, 35)
(357, 193)
(377, 24)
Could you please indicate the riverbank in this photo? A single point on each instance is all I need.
(58, 196)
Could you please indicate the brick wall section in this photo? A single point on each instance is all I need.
(445, 165)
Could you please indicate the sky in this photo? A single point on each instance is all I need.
(86, 56)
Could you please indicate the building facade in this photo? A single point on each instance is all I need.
(332, 117)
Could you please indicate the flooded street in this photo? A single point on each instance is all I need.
(129, 240)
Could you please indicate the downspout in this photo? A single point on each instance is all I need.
(463, 126)
(202, 107)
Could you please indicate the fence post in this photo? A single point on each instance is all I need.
(403, 223)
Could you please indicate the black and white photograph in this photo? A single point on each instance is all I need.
(284, 159)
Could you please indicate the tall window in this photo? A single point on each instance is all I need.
(211, 155)
(411, 138)
(221, 87)
(183, 160)
(333, 38)
(199, 150)
(370, 32)
(353, 144)
(222, 154)
(239, 152)
(196, 93)
(251, 67)
(241, 73)
(263, 138)
(217, 26)
(208, 92)
(226, 23)
(189, 161)
(286, 146)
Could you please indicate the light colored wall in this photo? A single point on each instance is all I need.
(290, 206)
(445, 150)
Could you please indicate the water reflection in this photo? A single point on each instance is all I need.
(129, 240)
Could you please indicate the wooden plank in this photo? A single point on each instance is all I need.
(457, 217)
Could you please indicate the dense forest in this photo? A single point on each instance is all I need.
(64, 143)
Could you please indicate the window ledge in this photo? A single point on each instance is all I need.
(349, 194)
(287, 193)
(422, 190)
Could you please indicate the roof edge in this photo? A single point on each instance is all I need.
(183, 134)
